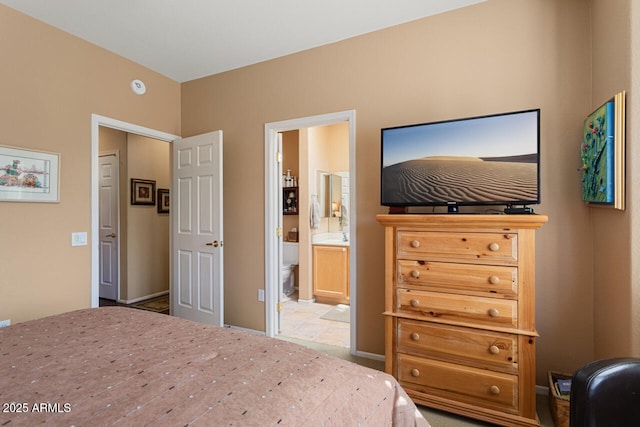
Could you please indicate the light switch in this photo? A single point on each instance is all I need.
(79, 238)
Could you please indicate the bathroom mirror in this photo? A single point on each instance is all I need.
(329, 187)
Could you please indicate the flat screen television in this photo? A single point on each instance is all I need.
(476, 161)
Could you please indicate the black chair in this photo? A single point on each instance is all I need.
(606, 393)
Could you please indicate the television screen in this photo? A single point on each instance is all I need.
(487, 160)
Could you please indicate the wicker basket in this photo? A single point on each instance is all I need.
(559, 404)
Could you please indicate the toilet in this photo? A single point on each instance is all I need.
(289, 262)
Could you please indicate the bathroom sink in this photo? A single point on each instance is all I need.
(332, 242)
(330, 239)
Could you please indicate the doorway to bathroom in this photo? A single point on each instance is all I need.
(310, 252)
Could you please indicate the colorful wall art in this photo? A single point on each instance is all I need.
(602, 152)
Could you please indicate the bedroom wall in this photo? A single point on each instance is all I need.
(51, 83)
(500, 55)
(633, 176)
(616, 233)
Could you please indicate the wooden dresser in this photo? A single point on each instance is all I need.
(460, 327)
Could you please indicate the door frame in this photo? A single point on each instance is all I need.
(96, 122)
(272, 182)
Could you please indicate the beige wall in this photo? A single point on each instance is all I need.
(493, 57)
(51, 83)
(633, 175)
(615, 234)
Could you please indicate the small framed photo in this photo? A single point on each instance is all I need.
(163, 200)
(29, 175)
(143, 192)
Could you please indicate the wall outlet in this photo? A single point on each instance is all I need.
(260, 294)
(4, 323)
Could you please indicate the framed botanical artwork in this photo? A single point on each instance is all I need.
(163, 200)
(29, 175)
(143, 192)
(603, 155)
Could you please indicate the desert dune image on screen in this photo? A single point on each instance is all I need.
(487, 160)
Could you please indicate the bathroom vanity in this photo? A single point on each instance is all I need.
(331, 274)
(331, 269)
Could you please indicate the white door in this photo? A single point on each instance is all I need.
(108, 197)
(196, 204)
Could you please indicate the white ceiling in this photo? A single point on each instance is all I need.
(188, 39)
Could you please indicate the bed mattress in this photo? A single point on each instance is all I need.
(117, 365)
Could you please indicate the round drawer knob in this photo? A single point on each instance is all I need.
(494, 349)
(494, 280)
(415, 274)
(415, 336)
(414, 303)
(494, 389)
(415, 244)
(416, 373)
(493, 247)
(493, 312)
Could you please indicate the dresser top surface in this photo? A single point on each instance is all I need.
(463, 220)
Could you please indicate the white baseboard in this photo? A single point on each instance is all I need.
(372, 356)
(253, 331)
(135, 300)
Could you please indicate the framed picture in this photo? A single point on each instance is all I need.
(143, 192)
(29, 176)
(603, 155)
(163, 200)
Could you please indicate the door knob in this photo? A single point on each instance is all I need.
(111, 235)
(215, 243)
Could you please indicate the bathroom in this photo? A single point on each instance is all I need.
(315, 225)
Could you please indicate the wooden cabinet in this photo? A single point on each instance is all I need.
(460, 312)
(331, 274)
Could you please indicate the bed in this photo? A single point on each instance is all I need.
(118, 365)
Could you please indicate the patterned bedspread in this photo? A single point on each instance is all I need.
(117, 365)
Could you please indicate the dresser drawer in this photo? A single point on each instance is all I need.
(467, 345)
(465, 384)
(495, 247)
(458, 308)
(489, 280)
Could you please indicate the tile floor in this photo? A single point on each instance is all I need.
(302, 321)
